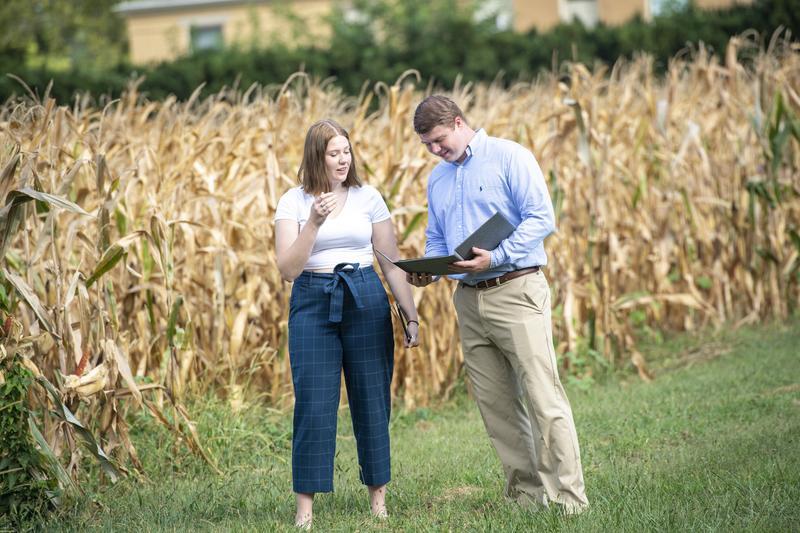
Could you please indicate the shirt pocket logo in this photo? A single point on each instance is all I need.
(491, 195)
(488, 188)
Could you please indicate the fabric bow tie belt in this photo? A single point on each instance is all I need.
(342, 273)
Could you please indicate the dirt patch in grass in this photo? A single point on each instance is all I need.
(786, 389)
(458, 492)
(701, 353)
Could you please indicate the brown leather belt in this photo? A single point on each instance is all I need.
(508, 276)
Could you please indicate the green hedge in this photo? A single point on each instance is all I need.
(437, 38)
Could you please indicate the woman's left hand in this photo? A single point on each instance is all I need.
(412, 340)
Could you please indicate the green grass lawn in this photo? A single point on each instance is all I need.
(712, 444)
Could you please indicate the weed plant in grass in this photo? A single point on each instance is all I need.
(712, 444)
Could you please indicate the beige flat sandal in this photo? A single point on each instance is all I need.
(305, 525)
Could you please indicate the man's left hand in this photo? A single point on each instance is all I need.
(482, 261)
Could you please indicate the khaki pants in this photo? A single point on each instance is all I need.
(507, 339)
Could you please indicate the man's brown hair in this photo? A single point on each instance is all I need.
(435, 110)
(312, 173)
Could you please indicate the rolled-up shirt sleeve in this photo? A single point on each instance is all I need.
(529, 193)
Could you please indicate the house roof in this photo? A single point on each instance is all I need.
(145, 6)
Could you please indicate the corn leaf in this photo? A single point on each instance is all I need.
(33, 302)
(63, 477)
(27, 194)
(112, 255)
(7, 174)
(63, 412)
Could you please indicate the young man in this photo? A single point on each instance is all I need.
(503, 301)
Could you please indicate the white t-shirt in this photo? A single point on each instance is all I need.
(346, 238)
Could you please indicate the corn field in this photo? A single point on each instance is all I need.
(138, 241)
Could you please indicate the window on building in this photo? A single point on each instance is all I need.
(206, 37)
(354, 15)
(660, 7)
(501, 12)
(582, 10)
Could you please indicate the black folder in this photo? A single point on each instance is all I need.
(487, 237)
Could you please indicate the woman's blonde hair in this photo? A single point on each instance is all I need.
(313, 174)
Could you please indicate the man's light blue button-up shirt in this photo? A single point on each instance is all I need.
(497, 175)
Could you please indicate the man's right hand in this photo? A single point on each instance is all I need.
(420, 280)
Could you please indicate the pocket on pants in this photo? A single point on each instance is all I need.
(537, 295)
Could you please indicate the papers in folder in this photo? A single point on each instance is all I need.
(487, 237)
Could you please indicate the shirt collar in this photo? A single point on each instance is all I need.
(475, 146)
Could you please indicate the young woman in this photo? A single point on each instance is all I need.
(339, 316)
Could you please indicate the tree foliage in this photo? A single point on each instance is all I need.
(58, 35)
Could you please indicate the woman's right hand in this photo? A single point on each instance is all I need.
(324, 205)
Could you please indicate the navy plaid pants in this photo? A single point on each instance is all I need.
(340, 321)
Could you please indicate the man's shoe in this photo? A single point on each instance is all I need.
(572, 509)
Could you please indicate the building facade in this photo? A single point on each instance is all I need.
(161, 30)
(544, 14)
